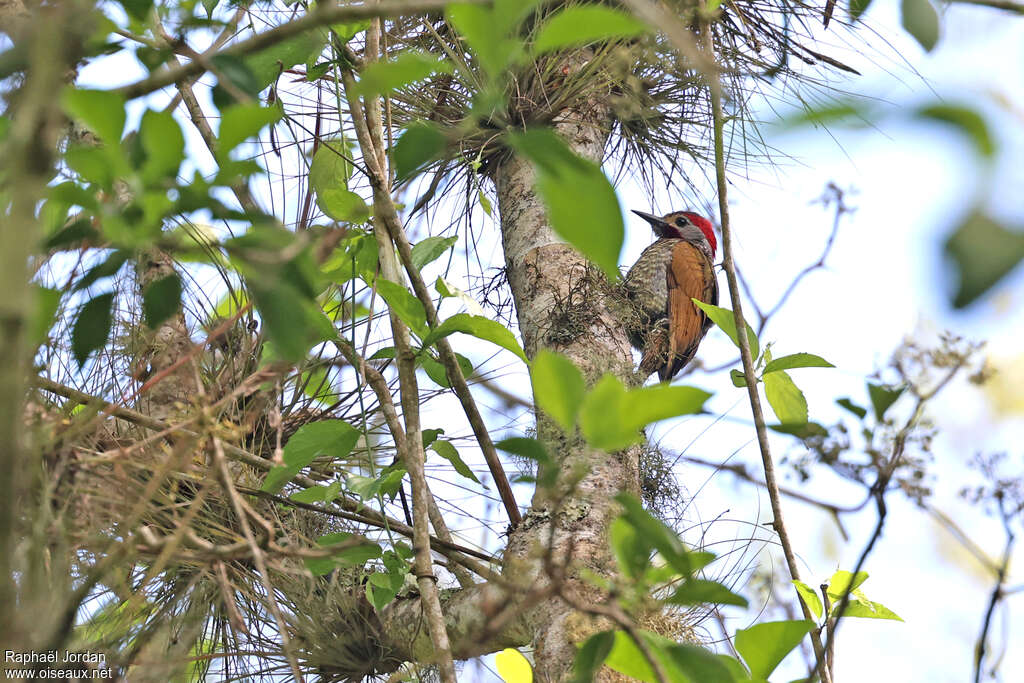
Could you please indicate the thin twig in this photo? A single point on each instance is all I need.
(325, 13)
(997, 592)
(715, 86)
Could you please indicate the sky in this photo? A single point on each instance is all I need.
(885, 278)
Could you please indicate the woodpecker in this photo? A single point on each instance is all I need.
(665, 325)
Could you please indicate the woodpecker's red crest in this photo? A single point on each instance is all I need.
(666, 326)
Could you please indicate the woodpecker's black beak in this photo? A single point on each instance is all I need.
(660, 227)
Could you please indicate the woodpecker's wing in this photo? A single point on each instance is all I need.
(690, 276)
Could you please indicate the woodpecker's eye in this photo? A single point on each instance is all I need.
(681, 222)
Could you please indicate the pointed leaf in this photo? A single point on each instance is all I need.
(478, 326)
(447, 451)
(863, 608)
(983, 252)
(164, 144)
(611, 418)
(243, 121)
(852, 407)
(558, 387)
(101, 110)
(921, 21)
(843, 581)
(797, 360)
(581, 202)
(702, 591)
(428, 249)
(809, 597)
(882, 397)
(331, 438)
(763, 646)
(583, 24)
(404, 304)
(161, 300)
(421, 143)
(350, 556)
(381, 77)
(92, 327)
(725, 319)
(591, 656)
(965, 119)
(786, 399)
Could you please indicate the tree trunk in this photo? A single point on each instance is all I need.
(560, 303)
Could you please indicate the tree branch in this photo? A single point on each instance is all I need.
(715, 86)
(325, 13)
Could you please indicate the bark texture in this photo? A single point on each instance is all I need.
(561, 305)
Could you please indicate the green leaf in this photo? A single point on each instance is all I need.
(581, 202)
(351, 556)
(861, 607)
(661, 537)
(447, 451)
(525, 447)
(632, 553)
(101, 110)
(786, 399)
(584, 24)
(385, 76)
(847, 112)
(803, 430)
(739, 380)
(235, 72)
(701, 591)
(725, 319)
(921, 21)
(241, 122)
(330, 167)
(428, 436)
(983, 252)
(330, 438)
(698, 664)
(965, 119)
(47, 303)
(809, 596)
(852, 407)
(843, 581)
(110, 267)
(591, 656)
(763, 646)
(317, 494)
(681, 662)
(343, 205)
(289, 318)
(626, 658)
(267, 64)
(858, 7)
(797, 360)
(137, 9)
(421, 143)
(437, 372)
(558, 387)
(428, 249)
(611, 418)
(164, 144)
(405, 305)
(92, 326)
(488, 31)
(161, 299)
(882, 397)
(478, 326)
